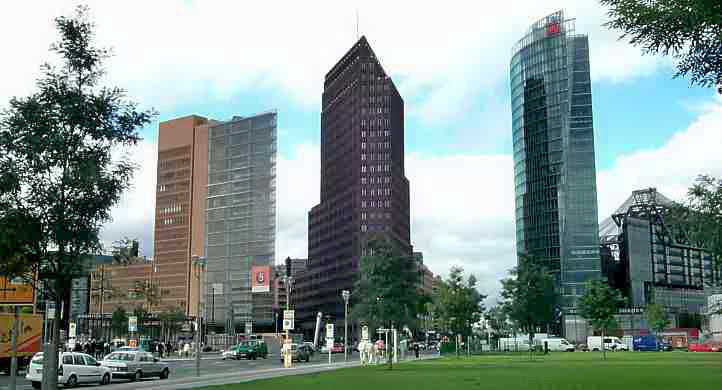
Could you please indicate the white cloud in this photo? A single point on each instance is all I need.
(171, 53)
(670, 168)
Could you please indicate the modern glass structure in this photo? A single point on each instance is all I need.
(554, 171)
(240, 220)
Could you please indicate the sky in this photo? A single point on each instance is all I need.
(450, 61)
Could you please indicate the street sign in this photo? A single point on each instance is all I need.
(249, 327)
(365, 333)
(329, 332)
(132, 324)
(71, 330)
(288, 324)
(329, 343)
(289, 315)
(51, 313)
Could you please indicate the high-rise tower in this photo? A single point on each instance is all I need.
(364, 190)
(554, 171)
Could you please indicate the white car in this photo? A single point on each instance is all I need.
(73, 368)
(135, 365)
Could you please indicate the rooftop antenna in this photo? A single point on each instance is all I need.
(357, 37)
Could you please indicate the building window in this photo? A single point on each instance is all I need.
(363, 145)
(363, 156)
(363, 168)
(363, 180)
(363, 204)
(364, 228)
(363, 216)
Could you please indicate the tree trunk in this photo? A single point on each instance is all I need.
(50, 358)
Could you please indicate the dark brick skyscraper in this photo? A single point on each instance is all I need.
(364, 190)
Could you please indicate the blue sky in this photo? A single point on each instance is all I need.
(450, 63)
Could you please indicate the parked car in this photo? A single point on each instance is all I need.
(73, 368)
(557, 344)
(703, 347)
(650, 343)
(582, 348)
(231, 353)
(337, 348)
(299, 353)
(309, 346)
(135, 365)
(252, 349)
(611, 343)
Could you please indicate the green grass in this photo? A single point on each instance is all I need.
(560, 371)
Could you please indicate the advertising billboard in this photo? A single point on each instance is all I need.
(260, 279)
(15, 291)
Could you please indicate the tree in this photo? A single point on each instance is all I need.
(125, 251)
(58, 175)
(599, 305)
(141, 315)
(458, 304)
(119, 322)
(656, 318)
(529, 296)
(171, 322)
(689, 30)
(386, 292)
(699, 219)
(498, 321)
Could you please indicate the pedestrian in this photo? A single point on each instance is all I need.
(187, 349)
(416, 350)
(160, 350)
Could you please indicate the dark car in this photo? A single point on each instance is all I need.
(300, 353)
(252, 349)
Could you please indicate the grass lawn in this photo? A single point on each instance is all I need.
(559, 371)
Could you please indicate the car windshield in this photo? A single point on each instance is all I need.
(38, 358)
(244, 344)
(121, 356)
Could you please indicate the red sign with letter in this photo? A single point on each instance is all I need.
(553, 29)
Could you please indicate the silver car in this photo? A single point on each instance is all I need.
(135, 365)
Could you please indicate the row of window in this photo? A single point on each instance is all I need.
(171, 208)
(375, 133)
(375, 216)
(374, 145)
(376, 122)
(376, 168)
(373, 192)
(374, 204)
(171, 221)
(379, 156)
(375, 180)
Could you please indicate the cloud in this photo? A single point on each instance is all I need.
(670, 168)
(445, 57)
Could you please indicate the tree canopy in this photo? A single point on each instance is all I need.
(599, 304)
(458, 304)
(387, 291)
(59, 176)
(529, 298)
(688, 30)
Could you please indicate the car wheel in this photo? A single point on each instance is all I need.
(72, 382)
(138, 376)
(307, 359)
(105, 380)
(36, 385)
(164, 374)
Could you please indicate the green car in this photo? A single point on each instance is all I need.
(252, 349)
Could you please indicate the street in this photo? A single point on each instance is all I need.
(215, 371)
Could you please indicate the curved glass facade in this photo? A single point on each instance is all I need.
(553, 137)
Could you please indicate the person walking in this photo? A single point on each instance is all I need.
(160, 350)
(416, 350)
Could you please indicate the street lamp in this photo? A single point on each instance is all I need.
(345, 294)
(199, 263)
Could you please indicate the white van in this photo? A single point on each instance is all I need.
(73, 368)
(514, 344)
(611, 343)
(557, 344)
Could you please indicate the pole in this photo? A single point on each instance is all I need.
(345, 332)
(198, 324)
(14, 354)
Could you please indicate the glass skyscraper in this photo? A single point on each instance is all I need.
(554, 170)
(240, 219)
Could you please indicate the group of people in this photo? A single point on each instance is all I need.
(92, 347)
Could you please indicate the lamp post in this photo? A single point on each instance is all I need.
(199, 263)
(345, 294)
(288, 357)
